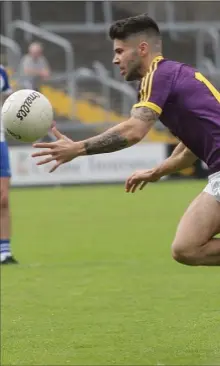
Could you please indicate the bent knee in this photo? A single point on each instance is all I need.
(185, 254)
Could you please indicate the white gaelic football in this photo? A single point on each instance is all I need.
(27, 115)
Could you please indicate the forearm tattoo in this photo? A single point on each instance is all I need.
(111, 141)
(106, 143)
(145, 114)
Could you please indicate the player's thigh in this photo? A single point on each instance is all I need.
(4, 185)
(4, 194)
(200, 222)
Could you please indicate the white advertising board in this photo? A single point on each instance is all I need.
(103, 168)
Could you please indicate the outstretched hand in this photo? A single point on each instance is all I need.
(140, 178)
(62, 150)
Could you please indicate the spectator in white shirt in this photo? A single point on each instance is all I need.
(34, 67)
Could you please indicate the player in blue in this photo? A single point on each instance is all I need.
(5, 174)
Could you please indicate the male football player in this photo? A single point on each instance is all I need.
(184, 101)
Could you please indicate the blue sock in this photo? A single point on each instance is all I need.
(5, 246)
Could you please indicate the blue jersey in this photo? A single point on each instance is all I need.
(4, 81)
(5, 89)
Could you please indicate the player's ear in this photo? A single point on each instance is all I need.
(143, 48)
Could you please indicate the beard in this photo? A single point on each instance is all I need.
(134, 67)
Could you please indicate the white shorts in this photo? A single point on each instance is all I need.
(213, 186)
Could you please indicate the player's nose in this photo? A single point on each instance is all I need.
(116, 60)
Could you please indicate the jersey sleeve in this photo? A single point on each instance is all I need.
(4, 81)
(155, 89)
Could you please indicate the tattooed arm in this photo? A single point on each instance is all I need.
(119, 137)
(124, 134)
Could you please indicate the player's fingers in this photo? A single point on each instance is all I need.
(57, 133)
(45, 161)
(143, 184)
(129, 183)
(128, 188)
(45, 145)
(134, 187)
(41, 153)
(55, 166)
(134, 182)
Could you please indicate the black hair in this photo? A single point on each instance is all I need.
(122, 29)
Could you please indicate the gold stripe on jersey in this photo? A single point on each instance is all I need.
(209, 85)
(146, 84)
(150, 105)
(155, 65)
(142, 89)
(150, 79)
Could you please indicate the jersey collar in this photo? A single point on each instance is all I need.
(156, 59)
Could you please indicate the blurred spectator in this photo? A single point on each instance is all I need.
(34, 67)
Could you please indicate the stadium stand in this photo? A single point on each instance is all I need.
(96, 104)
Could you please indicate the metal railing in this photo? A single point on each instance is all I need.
(8, 15)
(201, 29)
(14, 56)
(68, 27)
(26, 16)
(208, 69)
(128, 93)
(90, 12)
(100, 74)
(214, 39)
(207, 66)
(92, 86)
(53, 38)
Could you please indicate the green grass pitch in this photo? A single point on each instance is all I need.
(96, 284)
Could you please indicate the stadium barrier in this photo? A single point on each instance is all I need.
(103, 168)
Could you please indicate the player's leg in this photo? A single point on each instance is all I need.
(5, 219)
(194, 243)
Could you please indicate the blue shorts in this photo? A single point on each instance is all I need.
(5, 170)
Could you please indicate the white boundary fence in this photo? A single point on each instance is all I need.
(105, 168)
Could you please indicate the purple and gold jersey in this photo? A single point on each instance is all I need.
(188, 104)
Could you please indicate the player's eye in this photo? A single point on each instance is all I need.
(118, 52)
